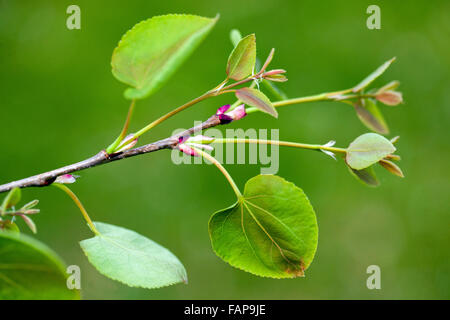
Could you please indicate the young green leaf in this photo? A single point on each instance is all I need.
(370, 116)
(392, 168)
(270, 232)
(368, 149)
(242, 59)
(390, 86)
(126, 256)
(30, 270)
(149, 53)
(366, 176)
(374, 75)
(11, 199)
(257, 99)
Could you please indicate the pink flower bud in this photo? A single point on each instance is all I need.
(233, 115)
(66, 179)
(223, 109)
(237, 113)
(185, 144)
(188, 150)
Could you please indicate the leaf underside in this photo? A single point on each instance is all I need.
(257, 99)
(132, 259)
(371, 116)
(368, 149)
(271, 232)
(366, 176)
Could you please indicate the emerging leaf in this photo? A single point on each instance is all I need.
(235, 37)
(374, 75)
(126, 256)
(257, 99)
(30, 205)
(368, 149)
(392, 167)
(272, 89)
(30, 223)
(390, 98)
(277, 78)
(370, 116)
(149, 53)
(30, 270)
(270, 232)
(12, 198)
(366, 176)
(395, 139)
(390, 86)
(242, 59)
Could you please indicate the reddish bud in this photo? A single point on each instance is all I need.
(390, 98)
(274, 72)
(66, 179)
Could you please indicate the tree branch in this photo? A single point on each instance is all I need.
(47, 178)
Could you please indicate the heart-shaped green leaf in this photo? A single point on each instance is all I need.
(132, 259)
(270, 232)
(149, 53)
(30, 270)
(374, 75)
(11, 199)
(370, 115)
(257, 99)
(242, 59)
(368, 149)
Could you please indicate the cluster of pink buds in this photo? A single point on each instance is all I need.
(185, 144)
(233, 115)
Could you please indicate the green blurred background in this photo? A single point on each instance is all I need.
(60, 104)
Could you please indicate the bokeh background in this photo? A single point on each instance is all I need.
(59, 103)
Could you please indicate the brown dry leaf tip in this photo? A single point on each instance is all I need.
(297, 272)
